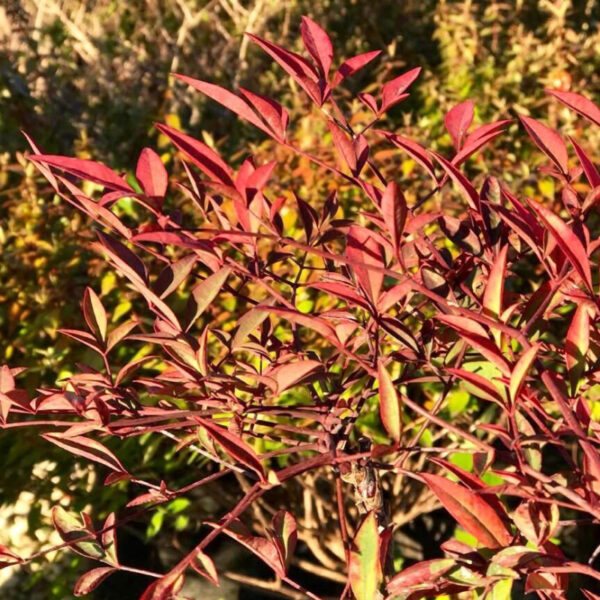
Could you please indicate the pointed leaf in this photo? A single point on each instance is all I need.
(88, 448)
(548, 141)
(577, 344)
(317, 43)
(364, 570)
(226, 98)
(274, 115)
(151, 174)
(465, 186)
(297, 67)
(587, 165)
(350, 66)
(344, 146)
(580, 104)
(494, 289)
(471, 511)
(204, 565)
(124, 258)
(292, 374)
(234, 446)
(205, 158)
(172, 276)
(394, 211)
(286, 535)
(205, 292)
(94, 313)
(569, 243)
(393, 90)
(365, 251)
(458, 120)
(389, 404)
(419, 575)
(89, 581)
(85, 169)
(520, 371)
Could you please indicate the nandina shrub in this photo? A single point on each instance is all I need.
(376, 363)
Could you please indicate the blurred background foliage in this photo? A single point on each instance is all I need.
(89, 78)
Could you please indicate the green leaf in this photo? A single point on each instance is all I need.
(364, 570)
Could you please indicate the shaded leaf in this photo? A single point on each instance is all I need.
(569, 243)
(235, 446)
(520, 371)
(204, 293)
(88, 448)
(389, 404)
(94, 313)
(89, 581)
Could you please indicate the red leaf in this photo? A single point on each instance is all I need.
(235, 446)
(478, 138)
(389, 404)
(484, 387)
(520, 370)
(394, 211)
(292, 374)
(205, 292)
(473, 513)
(468, 191)
(422, 574)
(414, 150)
(88, 448)
(343, 291)
(109, 539)
(369, 101)
(315, 323)
(172, 276)
(580, 104)
(124, 258)
(297, 67)
(274, 115)
(458, 120)
(318, 44)
(365, 251)
(586, 163)
(226, 98)
(265, 549)
(569, 243)
(206, 159)
(90, 580)
(393, 90)
(344, 146)
(151, 174)
(548, 141)
(94, 313)
(476, 336)
(85, 169)
(350, 66)
(43, 169)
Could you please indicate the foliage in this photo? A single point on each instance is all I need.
(330, 345)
